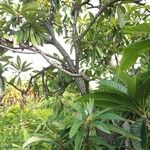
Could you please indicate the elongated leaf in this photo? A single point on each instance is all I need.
(111, 116)
(139, 129)
(139, 28)
(122, 132)
(111, 100)
(75, 128)
(130, 82)
(1, 83)
(131, 53)
(99, 141)
(19, 62)
(5, 58)
(121, 17)
(36, 139)
(2, 22)
(29, 7)
(101, 126)
(97, 115)
(107, 85)
(79, 139)
(6, 8)
(143, 89)
(18, 37)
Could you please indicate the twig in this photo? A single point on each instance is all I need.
(34, 76)
(102, 9)
(61, 69)
(12, 84)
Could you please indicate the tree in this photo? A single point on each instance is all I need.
(26, 25)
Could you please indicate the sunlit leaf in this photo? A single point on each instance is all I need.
(36, 139)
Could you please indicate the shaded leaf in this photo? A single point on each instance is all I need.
(139, 129)
(121, 131)
(111, 116)
(101, 126)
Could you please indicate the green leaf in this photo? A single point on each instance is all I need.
(101, 126)
(98, 114)
(111, 100)
(19, 62)
(129, 82)
(139, 129)
(36, 139)
(19, 81)
(30, 7)
(122, 132)
(107, 85)
(38, 39)
(75, 128)
(25, 67)
(139, 28)
(90, 107)
(79, 139)
(111, 116)
(121, 17)
(13, 79)
(143, 88)
(98, 141)
(131, 53)
(5, 58)
(18, 37)
(32, 37)
(7, 8)
(2, 22)
(1, 83)
(57, 4)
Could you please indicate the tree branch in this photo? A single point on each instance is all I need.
(22, 48)
(75, 34)
(61, 69)
(60, 91)
(102, 9)
(50, 28)
(15, 50)
(36, 75)
(12, 84)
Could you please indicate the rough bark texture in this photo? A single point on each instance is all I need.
(82, 85)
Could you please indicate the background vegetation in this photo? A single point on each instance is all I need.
(55, 107)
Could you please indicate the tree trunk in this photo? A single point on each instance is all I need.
(83, 85)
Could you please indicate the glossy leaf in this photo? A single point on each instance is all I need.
(131, 53)
(139, 28)
(106, 85)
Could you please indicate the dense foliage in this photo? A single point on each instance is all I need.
(107, 41)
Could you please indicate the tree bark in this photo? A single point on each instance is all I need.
(83, 85)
